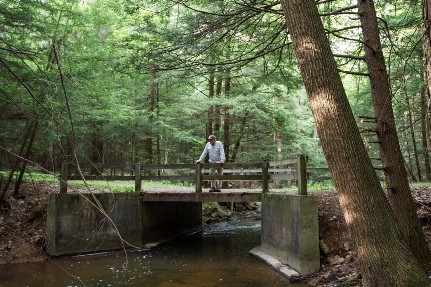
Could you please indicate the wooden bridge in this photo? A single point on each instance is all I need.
(259, 174)
(76, 223)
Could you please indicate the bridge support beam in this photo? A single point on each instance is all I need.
(290, 230)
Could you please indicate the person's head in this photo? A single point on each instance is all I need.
(212, 139)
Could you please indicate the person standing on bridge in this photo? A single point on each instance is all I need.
(215, 150)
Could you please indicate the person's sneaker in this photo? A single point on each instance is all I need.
(216, 190)
(213, 189)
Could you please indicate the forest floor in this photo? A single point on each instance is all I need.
(22, 232)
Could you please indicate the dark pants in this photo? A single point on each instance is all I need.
(219, 169)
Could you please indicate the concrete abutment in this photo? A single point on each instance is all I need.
(84, 223)
(290, 231)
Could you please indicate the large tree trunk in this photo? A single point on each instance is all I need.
(383, 257)
(398, 189)
(424, 137)
(426, 17)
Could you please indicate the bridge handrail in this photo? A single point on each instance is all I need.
(287, 169)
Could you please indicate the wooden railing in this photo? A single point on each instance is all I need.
(289, 170)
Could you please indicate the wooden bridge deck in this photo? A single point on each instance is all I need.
(190, 195)
(288, 171)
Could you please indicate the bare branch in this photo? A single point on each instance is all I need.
(349, 57)
(354, 73)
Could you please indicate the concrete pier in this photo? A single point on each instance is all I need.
(290, 231)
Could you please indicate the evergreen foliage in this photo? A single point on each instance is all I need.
(129, 81)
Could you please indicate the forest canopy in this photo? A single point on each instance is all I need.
(147, 81)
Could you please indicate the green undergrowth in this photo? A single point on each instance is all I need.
(32, 174)
(311, 186)
(111, 186)
(323, 185)
(102, 185)
(420, 184)
(124, 185)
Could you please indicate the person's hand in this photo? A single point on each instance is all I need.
(198, 161)
(222, 162)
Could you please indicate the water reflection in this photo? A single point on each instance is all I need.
(216, 256)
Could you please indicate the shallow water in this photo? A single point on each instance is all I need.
(216, 256)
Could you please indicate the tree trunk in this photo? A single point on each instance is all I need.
(383, 257)
(33, 130)
(424, 138)
(211, 82)
(17, 161)
(238, 140)
(158, 137)
(96, 147)
(151, 106)
(426, 17)
(411, 132)
(408, 163)
(398, 189)
(217, 112)
(226, 114)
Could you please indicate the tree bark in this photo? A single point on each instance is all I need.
(398, 189)
(97, 146)
(426, 17)
(239, 138)
(210, 119)
(384, 260)
(424, 137)
(17, 160)
(33, 130)
(226, 114)
(151, 109)
(411, 132)
(217, 111)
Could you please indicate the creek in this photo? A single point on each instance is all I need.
(216, 256)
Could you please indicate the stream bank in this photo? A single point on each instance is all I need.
(22, 230)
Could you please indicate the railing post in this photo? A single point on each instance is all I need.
(302, 175)
(138, 177)
(64, 173)
(241, 183)
(265, 176)
(198, 177)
